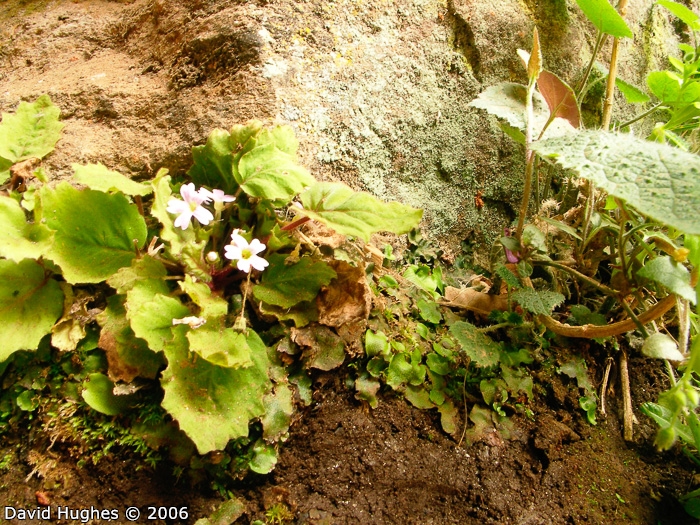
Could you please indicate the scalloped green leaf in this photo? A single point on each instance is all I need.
(95, 233)
(213, 162)
(32, 131)
(211, 306)
(287, 285)
(539, 302)
(658, 180)
(605, 18)
(153, 320)
(670, 274)
(270, 173)
(213, 404)
(18, 238)
(220, 346)
(30, 304)
(127, 355)
(481, 349)
(279, 409)
(356, 213)
(99, 177)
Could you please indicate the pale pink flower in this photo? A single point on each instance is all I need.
(246, 254)
(190, 207)
(216, 195)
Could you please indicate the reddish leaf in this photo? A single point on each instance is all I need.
(559, 97)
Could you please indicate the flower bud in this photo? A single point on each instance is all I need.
(665, 438)
(212, 257)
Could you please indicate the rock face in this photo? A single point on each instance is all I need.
(377, 91)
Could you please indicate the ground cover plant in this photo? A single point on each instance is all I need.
(192, 323)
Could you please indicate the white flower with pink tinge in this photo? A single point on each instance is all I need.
(190, 207)
(246, 254)
(218, 196)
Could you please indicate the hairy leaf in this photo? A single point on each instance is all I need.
(99, 177)
(605, 18)
(269, 173)
(507, 101)
(661, 346)
(356, 213)
(539, 302)
(287, 285)
(18, 238)
(481, 349)
(95, 233)
(30, 303)
(667, 272)
(213, 404)
(658, 180)
(32, 131)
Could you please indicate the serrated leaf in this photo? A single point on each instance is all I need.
(682, 12)
(661, 346)
(518, 380)
(301, 314)
(213, 162)
(90, 243)
(153, 320)
(449, 417)
(665, 86)
(270, 173)
(605, 18)
(18, 238)
(507, 101)
(402, 371)
(576, 369)
(376, 344)
(213, 404)
(32, 131)
(287, 285)
(220, 346)
(324, 349)
(30, 303)
(509, 277)
(658, 180)
(539, 302)
(674, 276)
(560, 98)
(481, 349)
(356, 213)
(279, 408)
(99, 177)
(97, 392)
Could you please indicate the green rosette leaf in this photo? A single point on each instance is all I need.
(30, 304)
(213, 162)
(18, 238)
(96, 234)
(287, 285)
(270, 173)
(356, 213)
(220, 346)
(99, 177)
(213, 404)
(32, 131)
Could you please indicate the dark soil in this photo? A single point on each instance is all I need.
(348, 464)
(139, 83)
